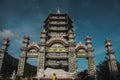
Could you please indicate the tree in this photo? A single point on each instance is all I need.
(103, 71)
(84, 75)
(29, 70)
(17, 77)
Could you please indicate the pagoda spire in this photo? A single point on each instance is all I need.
(58, 10)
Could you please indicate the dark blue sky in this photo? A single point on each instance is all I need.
(97, 18)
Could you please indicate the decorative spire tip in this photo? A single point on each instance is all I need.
(58, 10)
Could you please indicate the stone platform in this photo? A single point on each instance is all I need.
(57, 79)
(47, 73)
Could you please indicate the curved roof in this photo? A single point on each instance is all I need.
(80, 46)
(33, 45)
(55, 40)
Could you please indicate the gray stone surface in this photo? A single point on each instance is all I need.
(59, 73)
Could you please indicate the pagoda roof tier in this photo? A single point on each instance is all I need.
(58, 25)
(50, 15)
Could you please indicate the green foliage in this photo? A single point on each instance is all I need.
(118, 64)
(84, 75)
(29, 70)
(17, 78)
(11, 64)
(103, 71)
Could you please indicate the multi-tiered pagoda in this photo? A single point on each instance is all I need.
(57, 42)
(57, 48)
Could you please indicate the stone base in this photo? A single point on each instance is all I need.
(59, 73)
(57, 79)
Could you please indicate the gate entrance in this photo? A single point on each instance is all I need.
(82, 64)
(57, 48)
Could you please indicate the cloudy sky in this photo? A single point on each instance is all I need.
(97, 18)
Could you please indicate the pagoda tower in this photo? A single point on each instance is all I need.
(57, 48)
(57, 43)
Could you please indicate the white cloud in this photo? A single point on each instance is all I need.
(6, 34)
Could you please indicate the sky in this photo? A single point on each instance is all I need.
(97, 18)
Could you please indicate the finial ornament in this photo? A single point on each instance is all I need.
(58, 10)
(80, 42)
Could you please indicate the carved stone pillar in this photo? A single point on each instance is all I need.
(72, 54)
(41, 59)
(41, 55)
(23, 56)
(72, 59)
(91, 65)
(3, 52)
(111, 58)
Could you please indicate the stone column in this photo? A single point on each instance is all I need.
(72, 59)
(41, 59)
(3, 52)
(41, 55)
(72, 54)
(23, 56)
(91, 65)
(111, 58)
